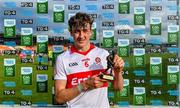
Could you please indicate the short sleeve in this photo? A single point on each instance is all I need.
(59, 71)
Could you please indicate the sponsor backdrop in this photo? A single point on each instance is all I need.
(144, 32)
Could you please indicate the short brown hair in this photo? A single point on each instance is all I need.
(79, 20)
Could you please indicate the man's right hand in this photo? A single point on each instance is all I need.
(93, 82)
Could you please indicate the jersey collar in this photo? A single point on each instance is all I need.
(73, 49)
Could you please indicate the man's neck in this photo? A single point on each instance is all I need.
(84, 49)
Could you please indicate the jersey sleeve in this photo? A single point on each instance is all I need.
(59, 71)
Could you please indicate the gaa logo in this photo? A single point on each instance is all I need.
(73, 64)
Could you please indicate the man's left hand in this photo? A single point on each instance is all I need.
(118, 63)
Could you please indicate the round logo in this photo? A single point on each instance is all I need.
(97, 60)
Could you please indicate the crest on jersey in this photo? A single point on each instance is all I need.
(97, 60)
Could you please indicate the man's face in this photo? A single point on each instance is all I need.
(81, 35)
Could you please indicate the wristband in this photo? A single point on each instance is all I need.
(80, 88)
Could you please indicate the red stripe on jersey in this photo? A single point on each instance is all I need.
(75, 78)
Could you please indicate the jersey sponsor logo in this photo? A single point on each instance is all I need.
(87, 59)
(76, 81)
(76, 78)
(73, 64)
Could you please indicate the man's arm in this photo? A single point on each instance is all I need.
(118, 67)
(63, 95)
(118, 82)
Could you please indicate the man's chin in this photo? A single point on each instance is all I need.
(81, 44)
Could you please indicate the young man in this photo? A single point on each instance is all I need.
(77, 80)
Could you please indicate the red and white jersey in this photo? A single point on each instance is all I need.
(75, 67)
